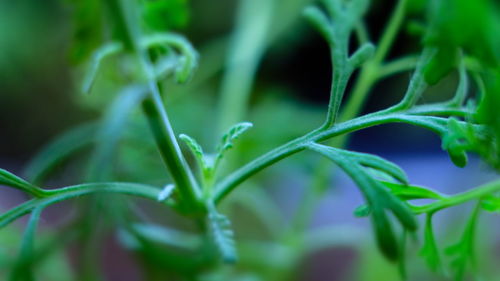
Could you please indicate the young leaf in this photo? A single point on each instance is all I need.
(377, 196)
(222, 235)
(188, 61)
(195, 149)
(429, 250)
(9, 179)
(228, 138)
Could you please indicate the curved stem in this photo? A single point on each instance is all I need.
(58, 195)
(382, 117)
(473, 194)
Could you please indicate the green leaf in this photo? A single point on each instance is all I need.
(491, 203)
(461, 24)
(95, 63)
(228, 138)
(377, 195)
(364, 53)
(23, 269)
(110, 131)
(9, 179)
(362, 211)
(411, 192)
(378, 163)
(222, 235)
(88, 28)
(188, 61)
(195, 148)
(429, 250)
(462, 253)
(59, 150)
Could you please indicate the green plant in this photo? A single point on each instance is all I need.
(151, 56)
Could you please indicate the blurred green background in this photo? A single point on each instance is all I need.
(40, 99)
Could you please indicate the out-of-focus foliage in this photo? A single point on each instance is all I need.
(462, 25)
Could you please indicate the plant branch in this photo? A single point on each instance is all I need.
(377, 118)
(57, 195)
(473, 194)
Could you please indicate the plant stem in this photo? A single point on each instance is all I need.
(473, 194)
(377, 118)
(368, 75)
(156, 113)
(57, 195)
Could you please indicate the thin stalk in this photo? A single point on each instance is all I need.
(473, 194)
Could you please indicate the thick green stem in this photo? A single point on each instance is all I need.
(171, 153)
(154, 109)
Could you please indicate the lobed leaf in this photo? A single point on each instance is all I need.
(222, 235)
(228, 138)
(194, 147)
(377, 196)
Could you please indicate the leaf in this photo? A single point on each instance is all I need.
(319, 21)
(228, 138)
(429, 250)
(23, 269)
(88, 28)
(462, 253)
(411, 192)
(461, 24)
(222, 235)
(59, 150)
(110, 131)
(491, 203)
(378, 163)
(188, 61)
(364, 53)
(377, 196)
(195, 148)
(162, 235)
(95, 63)
(9, 179)
(363, 211)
